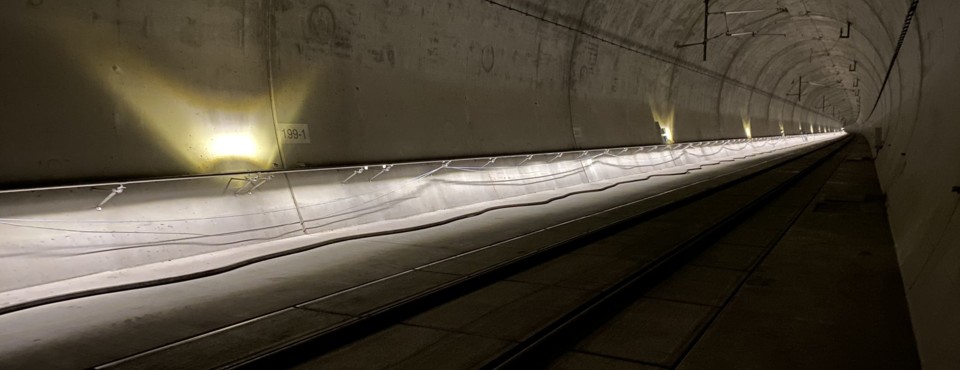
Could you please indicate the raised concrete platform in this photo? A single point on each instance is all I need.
(65, 252)
(97, 330)
(815, 302)
(827, 296)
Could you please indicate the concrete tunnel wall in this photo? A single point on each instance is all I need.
(128, 90)
(131, 89)
(919, 166)
(120, 90)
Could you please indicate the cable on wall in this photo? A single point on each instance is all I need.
(896, 52)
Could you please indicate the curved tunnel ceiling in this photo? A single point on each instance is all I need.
(793, 38)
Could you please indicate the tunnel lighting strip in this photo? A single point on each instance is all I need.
(365, 167)
(193, 236)
(349, 210)
(682, 148)
(896, 52)
(237, 265)
(446, 165)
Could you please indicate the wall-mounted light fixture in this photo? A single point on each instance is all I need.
(233, 146)
(664, 135)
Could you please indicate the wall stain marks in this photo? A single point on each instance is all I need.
(321, 24)
(386, 54)
(321, 31)
(488, 58)
(391, 55)
(434, 49)
(190, 33)
(145, 28)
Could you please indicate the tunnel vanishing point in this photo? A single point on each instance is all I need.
(138, 132)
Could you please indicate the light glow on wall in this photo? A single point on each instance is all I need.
(201, 126)
(233, 146)
(745, 119)
(664, 115)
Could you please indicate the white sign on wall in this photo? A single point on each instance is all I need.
(293, 133)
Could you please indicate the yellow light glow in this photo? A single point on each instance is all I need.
(664, 115)
(184, 118)
(233, 146)
(747, 127)
(668, 134)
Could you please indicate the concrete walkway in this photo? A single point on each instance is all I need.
(828, 296)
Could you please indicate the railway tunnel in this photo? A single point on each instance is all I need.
(244, 183)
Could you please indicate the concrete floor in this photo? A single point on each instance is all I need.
(829, 295)
(809, 282)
